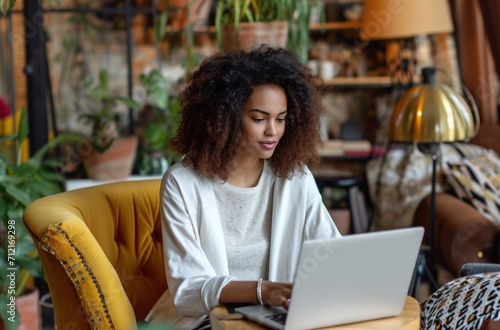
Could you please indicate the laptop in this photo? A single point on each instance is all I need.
(344, 280)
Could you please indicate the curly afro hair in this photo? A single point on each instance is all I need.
(212, 110)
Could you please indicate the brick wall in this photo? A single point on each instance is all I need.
(14, 46)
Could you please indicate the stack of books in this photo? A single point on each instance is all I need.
(353, 148)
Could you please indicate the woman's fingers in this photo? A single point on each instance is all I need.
(277, 293)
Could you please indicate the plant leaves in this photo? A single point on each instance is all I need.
(156, 135)
(128, 102)
(103, 83)
(61, 138)
(18, 195)
(156, 87)
(8, 138)
(160, 26)
(26, 253)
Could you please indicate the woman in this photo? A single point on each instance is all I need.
(237, 208)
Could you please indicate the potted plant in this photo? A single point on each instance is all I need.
(20, 184)
(285, 23)
(110, 155)
(157, 123)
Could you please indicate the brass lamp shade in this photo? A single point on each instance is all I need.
(432, 113)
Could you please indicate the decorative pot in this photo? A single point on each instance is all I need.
(252, 35)
(27, 310)
(177, 12)
(113, 164)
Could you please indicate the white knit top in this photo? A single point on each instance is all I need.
(245, 215)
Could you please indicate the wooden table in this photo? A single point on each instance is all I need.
(409, 319)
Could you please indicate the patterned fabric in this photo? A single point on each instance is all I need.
(465, 303)
(399, 181)
(476, 180)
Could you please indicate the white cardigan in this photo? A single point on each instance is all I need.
(196, 261)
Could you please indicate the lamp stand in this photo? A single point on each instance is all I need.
(424, 265)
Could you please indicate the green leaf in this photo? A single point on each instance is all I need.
(160, 27)
(129, 102)
(3, 265)
(46, 187)
(3, 208)
(4, 160)
(156, 135)
(218, 23)
(22, 132)
(61, 138)
(26, 253)
(15, 211)
(103, 82)
(32, 265)
(18, 195)
(156, 87)
(8, 138)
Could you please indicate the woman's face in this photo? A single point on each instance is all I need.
(264, 115)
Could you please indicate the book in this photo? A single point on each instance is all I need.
(338, 147)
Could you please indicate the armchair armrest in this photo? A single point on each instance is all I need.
(462, 234)
(88, 288)
(477, 268)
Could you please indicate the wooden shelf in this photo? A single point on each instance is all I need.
(204, 29)
(328, 26)
(349, 150)
(369, 82)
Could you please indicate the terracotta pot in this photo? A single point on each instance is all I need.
(173, 4)
(113, 164)
(177, 12)
(27, 309)
(252, 35)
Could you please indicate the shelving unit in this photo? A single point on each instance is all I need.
(40, 98)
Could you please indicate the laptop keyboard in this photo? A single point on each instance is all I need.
(280, 318)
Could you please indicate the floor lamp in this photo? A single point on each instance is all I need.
(430, 114)
(401, 23)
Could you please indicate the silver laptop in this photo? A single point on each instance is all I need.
(344, 280)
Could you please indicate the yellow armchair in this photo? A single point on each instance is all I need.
(101, 248)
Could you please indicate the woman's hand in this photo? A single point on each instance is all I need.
(276, 293)
(273, 293)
